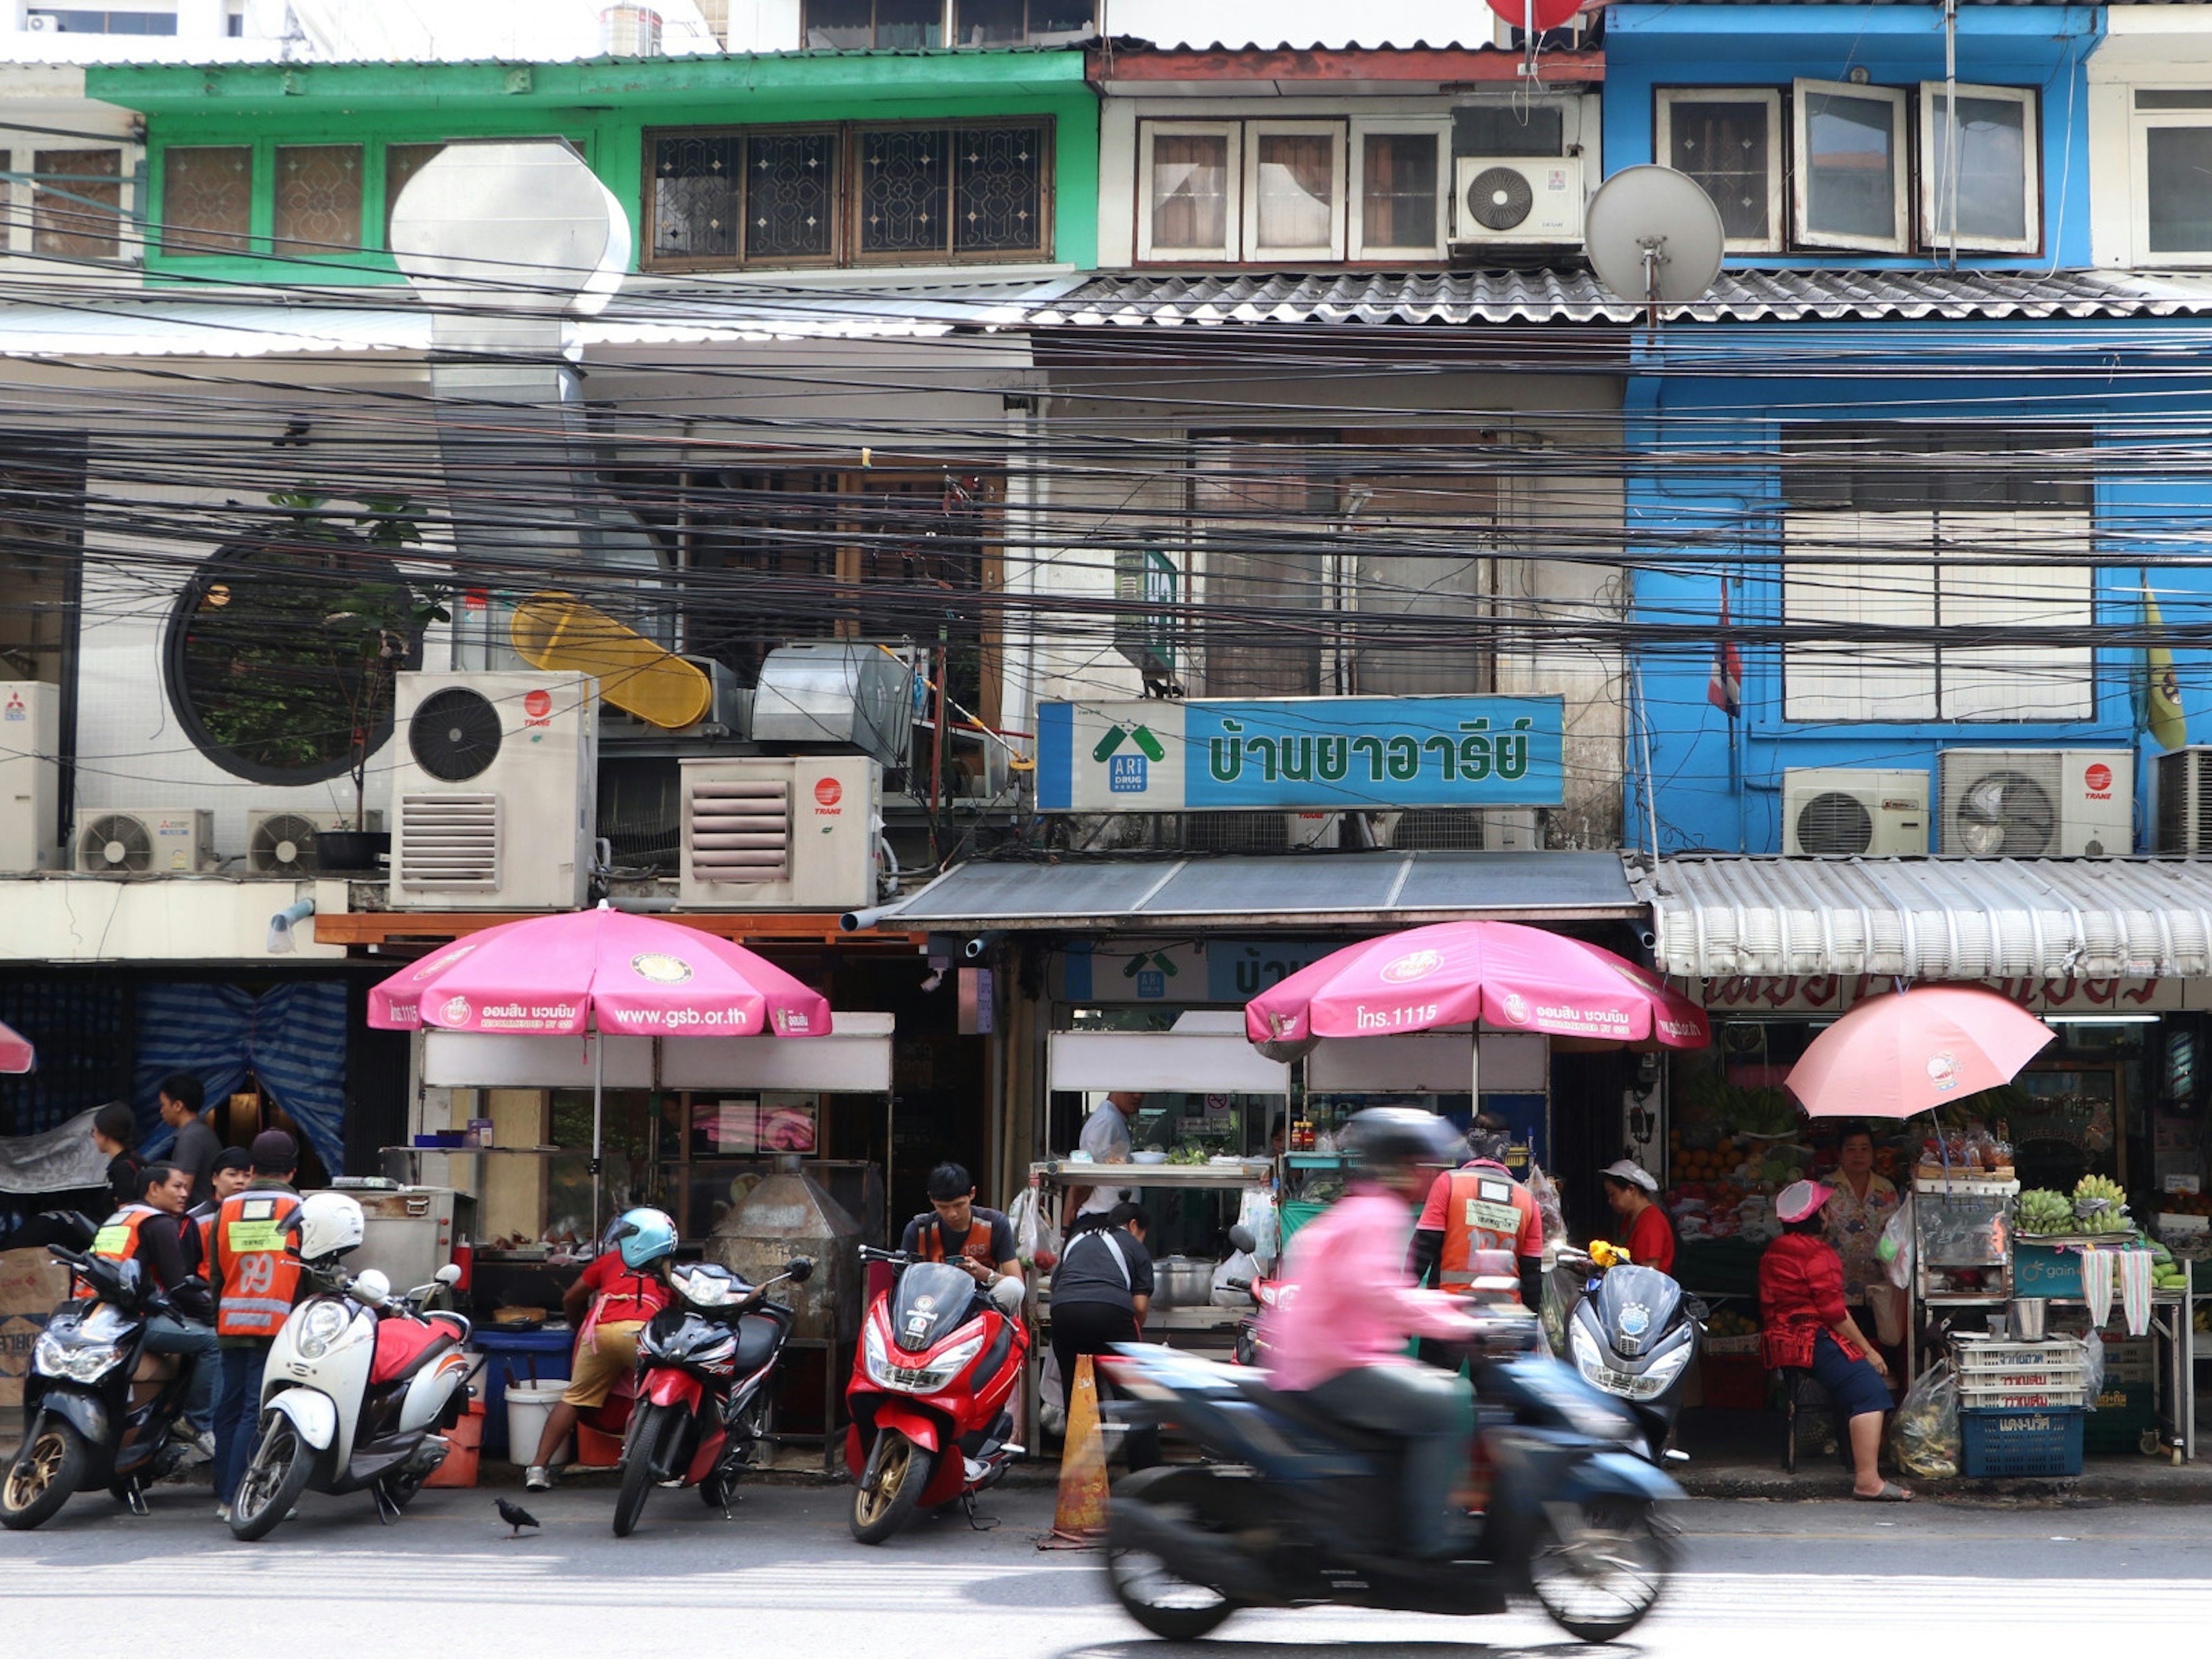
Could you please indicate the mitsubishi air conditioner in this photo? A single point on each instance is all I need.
(1516, 198)
(2184, 800)
(2036, 803)
(795, 832)
(495, 795)
(30, 774)
(282, 842)
(145, 841)
(1854, 809)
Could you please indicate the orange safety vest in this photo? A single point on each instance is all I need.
(976, 1247)
(118, 1237)
(1484, 1209)
(260, 1275)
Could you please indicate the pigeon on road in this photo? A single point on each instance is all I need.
(515, 1517)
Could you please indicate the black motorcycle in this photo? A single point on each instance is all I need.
(1289, 1505)
(703, 1365)
(1633, 1334)
(97, 1409)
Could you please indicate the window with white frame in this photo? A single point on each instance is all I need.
(1920, 544)
(1988, 188)
(1730, 140)
(1273, 191)
(2171, 137)
(1848, 186)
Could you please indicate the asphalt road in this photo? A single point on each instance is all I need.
(1781, 1581)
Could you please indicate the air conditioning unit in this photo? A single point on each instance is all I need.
(30, 774)
(495, 795)
(1517, 198)
(145, 841)
(280, 842)
(2184, 800)
(42, 23)
(1309, 829)
(1854, 809)
(2036, 803)
(1512, 830)
(795, 832)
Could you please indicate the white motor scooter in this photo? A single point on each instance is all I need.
(358, 1383)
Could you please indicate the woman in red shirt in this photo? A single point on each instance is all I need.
(1801, 1304)
(1650, 1241)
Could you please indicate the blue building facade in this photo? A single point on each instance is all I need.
(1952, 474)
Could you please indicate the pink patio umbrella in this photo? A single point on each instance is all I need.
(603, 970)
(1506, 976)
(1913, 1051)
(15, 1051)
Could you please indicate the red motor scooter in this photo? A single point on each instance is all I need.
(929, 1396)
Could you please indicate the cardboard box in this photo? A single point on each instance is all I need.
(32, 1283)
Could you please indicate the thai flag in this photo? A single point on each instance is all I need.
(1725, 690)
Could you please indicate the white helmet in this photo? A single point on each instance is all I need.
(331, 1224)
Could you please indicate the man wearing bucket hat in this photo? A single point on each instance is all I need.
(1629, 1190)
(1801, 1305)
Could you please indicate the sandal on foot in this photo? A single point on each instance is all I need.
(1891, 1492)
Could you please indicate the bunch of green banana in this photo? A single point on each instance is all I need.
(2100, 1206)
(2039, 1210)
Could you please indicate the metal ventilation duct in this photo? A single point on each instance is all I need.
(505, 240)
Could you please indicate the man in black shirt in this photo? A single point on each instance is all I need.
(196, 1143)
(1100, 1294)
(168, 1247)
(960, 1231)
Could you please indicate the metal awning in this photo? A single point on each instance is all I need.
(1932, 918)
(1313, 890)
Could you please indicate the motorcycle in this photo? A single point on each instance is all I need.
(931, 1422)
(1632, 1334)
(98, 1410)
(698, 1404)
(356, 1386)
(1285, 1508)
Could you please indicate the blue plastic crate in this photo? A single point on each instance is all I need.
(2019, 1443)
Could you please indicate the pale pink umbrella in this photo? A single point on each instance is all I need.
(604, 970)
(1913, 1051)
(15, 1052)
(1506, 976)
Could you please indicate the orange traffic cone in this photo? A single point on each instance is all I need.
(1080, 1517)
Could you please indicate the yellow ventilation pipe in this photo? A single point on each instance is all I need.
(557, 632)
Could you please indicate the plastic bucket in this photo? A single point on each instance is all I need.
(528, 1406)
(465, 1439)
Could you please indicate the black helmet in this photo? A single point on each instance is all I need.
(1385, 1138)
(1488, 1144)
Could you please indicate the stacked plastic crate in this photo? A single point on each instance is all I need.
(2021, 1405)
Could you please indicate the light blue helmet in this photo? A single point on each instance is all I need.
(645, 1237)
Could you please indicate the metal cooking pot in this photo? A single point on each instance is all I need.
(1182, 1281)
(2027, 1319)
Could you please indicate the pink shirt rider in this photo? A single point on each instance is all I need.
(1354, 1303)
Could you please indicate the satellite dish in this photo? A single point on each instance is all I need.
(1545, 14)
(516, 224)
(1654, 236)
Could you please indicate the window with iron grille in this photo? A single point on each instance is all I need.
(935, 192)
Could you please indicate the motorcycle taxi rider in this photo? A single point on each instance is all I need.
(611, 1301)
(1340, 1340)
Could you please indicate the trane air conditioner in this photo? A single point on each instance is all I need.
(782, 832)
(282, 842)
(1516, 198)
(495, 795)
(1309, 829)
(30, 774)
(2184, 800)
(2036, 803)
(145, 841)
(1854, 809)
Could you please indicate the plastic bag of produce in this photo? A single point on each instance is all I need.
(1924, 1439)
(1547, 1206)
(1895, 1250)
(2093, 1367)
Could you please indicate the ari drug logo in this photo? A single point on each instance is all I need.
(1128, 774)
(661, 968)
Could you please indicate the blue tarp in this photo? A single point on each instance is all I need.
(292, 1037)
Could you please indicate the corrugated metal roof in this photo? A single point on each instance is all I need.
(1562, 296)
(1354, 889)
(1932, 918)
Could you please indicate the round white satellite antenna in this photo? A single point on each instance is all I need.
(513, 224)
(1654, 236)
